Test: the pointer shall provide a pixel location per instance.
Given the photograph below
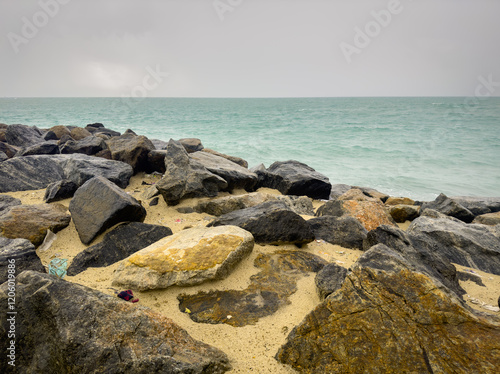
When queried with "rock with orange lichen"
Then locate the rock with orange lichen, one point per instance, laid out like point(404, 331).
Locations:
point(387, 318)
point(371, 214)
point(187, 258)
point(62, 327)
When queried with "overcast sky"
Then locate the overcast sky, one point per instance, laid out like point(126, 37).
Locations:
point(249, 48)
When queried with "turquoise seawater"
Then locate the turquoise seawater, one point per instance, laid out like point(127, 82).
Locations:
point(415, 147)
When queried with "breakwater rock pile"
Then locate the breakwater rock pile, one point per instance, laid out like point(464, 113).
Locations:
point(175, 218)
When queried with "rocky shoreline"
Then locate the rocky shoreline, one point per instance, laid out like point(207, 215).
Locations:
point(228, 252)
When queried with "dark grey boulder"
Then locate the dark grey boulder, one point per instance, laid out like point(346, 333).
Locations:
point(186, 177)
point(100, 204)
point(419, 250)
point(159, 144)
point(345, 231)
point(445, 205)
point(50, 135)
point(191, 145)
point(21, 254)
point(338, 190)
point(102, 130)
point(271, 222)
point(90, 145)
point(3, 157)
point(6, 202)
point(478, 205)
point(235, 175)
point(472, 245)
point(295, 178)
point(23, 136)
point(236, 160)
point(131, 149)
point(45, 148)
point(118, 244)
point(329, 279)
point(60, 190)
point(62, 327)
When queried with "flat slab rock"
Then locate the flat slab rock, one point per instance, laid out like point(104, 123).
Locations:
point(186, 258)
point(63, 327)
point(268, 291)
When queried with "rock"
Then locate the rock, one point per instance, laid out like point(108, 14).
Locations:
point(235, 175)
point(3, 157)
point(9, 150)
point(131, 149)
point(186, 258)
point(338, 190)
point(295, 178)
point(50, 135)
point(464, 244)
point(63, 327)
point(399, 201)
point(329, 279)
point(99, 204)
point(301, 205)
point(59, 131)
point(373, 193)
point(45, 148)
point(159, 144)
point(155, 201)
point(191, 145)
point(7, 202)
point(79, 133)
point(64, 139)
point(32, 221)
point(60, 190)
point(37, 172)
point(403, 213)
point(156, 161)
point(95, 126)
point(447, 206)
point(466, 276)
point(20, 254)
point(129, 132)
point(150, 192)
point(236, 160)
point(90, 145)
point(345, 231)
point(103, 131)
point(418, 250)
point(81, 168)
point(488, 219)
point(23, 136)
point(227, 204)
point(118, 244)
point(358, 195)
point(370, 214)
point(478, 205)
point(431, 213)
point(186, 177)
point(387, 318)
point(270, 223)
point(269, 290)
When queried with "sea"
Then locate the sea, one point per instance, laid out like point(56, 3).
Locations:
point(402, 146)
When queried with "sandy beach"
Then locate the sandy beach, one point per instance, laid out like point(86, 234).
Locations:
point(250, 348)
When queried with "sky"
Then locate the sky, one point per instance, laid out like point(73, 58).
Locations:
point(249, 48)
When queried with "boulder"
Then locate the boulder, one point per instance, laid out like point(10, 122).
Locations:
point(9, 150)
point(59, 131)
point(103, 131)
point(100, 204)
point(62, 327)
point(7, 202)
point(156, 161)
point(236, 160)
point(371, 192)
point(470, 245)
point(45, 148)
point(23, 136)
point(186, 177)
point(33, 221)
point(20, 254)
point(94, 126)
point(371, 214)
point(358, 195)
point(345, 231)
point(189, 257)
point(3, 157)
point(387, 318)
point(488, 219)
point(60, 190)
point(268, 291)
point(418, 250)
point(478, 205)
point(301, 205)
point(49, 135)
point(227, 204)
point(118, 244)
point(235, 175)
point(271, 222)
point(131, 149)
point(403, 213)
point(445, 205)
point(295, 178)
point(90, 145)
point(329, 279)
point(79, 133)
point(191, 145)
point(399, 201)
point(159, 144)
point(338, 190)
